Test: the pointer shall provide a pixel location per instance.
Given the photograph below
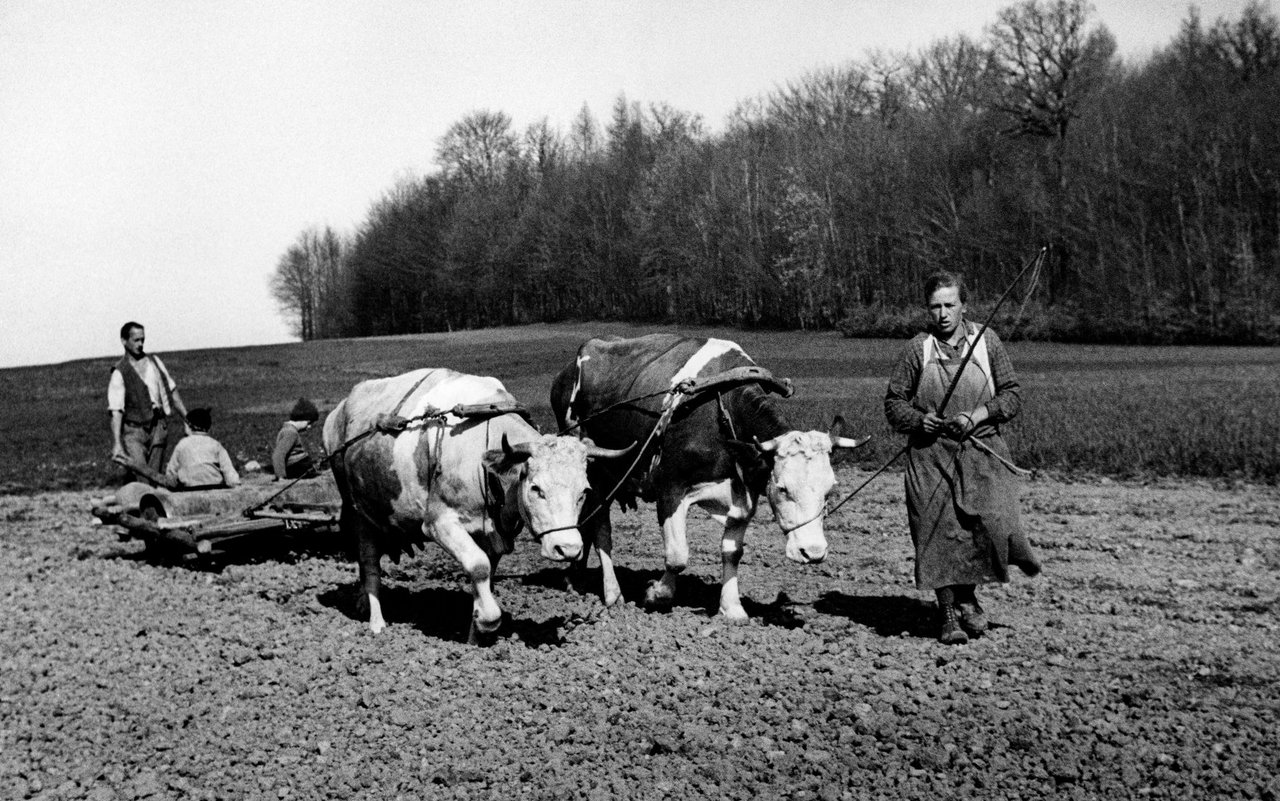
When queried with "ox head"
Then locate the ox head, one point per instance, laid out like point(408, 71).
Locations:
point(542, 483)
point(800, 479)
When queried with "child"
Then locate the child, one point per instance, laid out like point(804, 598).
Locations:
point(290, 458)
point(198, 462)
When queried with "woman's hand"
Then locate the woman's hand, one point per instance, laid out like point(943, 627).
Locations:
point(958, 427)
point(963, 424)
point(933, 425)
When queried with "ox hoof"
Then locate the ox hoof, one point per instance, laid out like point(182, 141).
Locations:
point(484, 633)
point(735, 615)
point(376, 626)
point(482, 639)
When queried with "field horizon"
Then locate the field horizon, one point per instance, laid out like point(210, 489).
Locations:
point(1115, 410)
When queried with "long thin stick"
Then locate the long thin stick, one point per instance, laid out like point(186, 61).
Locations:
point(987, 324)
point(1039, 257)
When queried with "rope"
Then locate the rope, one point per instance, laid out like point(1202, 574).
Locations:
point(985, 448)
point(1031, 288)
point(968, 354)
point(603, 505)
point(612, 406)
point(398, 425)
point(1036, 262)
point(660, 426)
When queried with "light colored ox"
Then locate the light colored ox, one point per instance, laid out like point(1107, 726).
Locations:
point(467, 483)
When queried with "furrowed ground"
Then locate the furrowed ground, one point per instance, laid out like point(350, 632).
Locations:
point(1142, 663)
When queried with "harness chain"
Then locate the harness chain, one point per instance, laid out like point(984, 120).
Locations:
point(687, 387)
point(393, 425)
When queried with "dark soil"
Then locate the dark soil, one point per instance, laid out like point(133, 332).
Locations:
point(1143, 663)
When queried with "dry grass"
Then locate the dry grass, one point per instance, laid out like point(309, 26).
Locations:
point(1122, 411)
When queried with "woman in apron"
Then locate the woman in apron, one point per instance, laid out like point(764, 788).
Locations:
point(962, 501)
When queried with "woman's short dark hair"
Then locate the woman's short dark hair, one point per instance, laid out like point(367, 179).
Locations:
point(942, 279)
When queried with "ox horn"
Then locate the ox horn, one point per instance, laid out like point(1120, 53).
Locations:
point(594, 451)
point(768, 446)
point(524, 449)
point(838, 441)
point(848, 442)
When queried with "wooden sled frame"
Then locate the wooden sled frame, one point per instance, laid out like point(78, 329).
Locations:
point(203, 522)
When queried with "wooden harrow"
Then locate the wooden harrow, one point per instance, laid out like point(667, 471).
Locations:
point(201, 522)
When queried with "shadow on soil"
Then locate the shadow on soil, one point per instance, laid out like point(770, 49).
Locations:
point(888, 616)
point(441, 613)
point(692, 592)
point(284, 549)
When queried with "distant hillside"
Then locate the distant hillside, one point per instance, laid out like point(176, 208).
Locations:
point(1113, 410)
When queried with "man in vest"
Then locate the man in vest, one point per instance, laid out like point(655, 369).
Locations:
point(140, 396)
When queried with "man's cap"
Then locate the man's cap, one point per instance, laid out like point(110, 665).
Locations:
point(304, 410)
point(200, 417)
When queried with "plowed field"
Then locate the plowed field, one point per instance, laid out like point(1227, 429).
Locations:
point(1142, 663)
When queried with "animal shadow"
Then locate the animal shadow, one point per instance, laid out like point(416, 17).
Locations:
point(887, 616)
point(692, 592)
point(440, 613)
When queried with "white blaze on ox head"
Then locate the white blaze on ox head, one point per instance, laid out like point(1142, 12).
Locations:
point(552, 494)
point(799, 483)
point(547, 485)
point(551, 488)
point(798, 487)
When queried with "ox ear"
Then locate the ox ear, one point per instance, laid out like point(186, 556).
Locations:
point(743, 452)
point(838, 425)
point(509, 454)
point(501, 472)
point(756, 464)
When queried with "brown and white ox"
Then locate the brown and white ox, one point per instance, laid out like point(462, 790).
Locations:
point(468, 483)
point(721, 451)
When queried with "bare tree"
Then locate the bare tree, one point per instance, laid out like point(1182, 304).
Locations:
point(478, 148)
point(1050, 62)
point(307, 279)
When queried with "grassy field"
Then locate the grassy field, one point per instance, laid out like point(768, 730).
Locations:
point(1118, 411)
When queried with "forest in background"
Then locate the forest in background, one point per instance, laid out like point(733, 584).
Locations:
point(825, 203)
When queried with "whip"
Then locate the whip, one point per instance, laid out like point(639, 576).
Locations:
point(1035, 262)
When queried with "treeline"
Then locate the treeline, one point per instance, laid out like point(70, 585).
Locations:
point(825, 203)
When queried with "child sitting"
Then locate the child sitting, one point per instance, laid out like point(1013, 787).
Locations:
point(290, 457)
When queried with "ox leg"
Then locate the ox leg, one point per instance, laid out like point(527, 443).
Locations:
point(599, 532)
point(370, 559)
point(610, 591)
point(486, 615)
point(733, 509)
point(731, 548)
point(676, 547)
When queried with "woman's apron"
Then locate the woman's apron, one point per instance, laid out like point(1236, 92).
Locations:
point(962, 504)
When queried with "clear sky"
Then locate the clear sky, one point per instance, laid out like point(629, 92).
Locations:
point(157, 157)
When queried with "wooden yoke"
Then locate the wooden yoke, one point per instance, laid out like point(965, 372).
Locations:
point(735, 377)
point(393, 423)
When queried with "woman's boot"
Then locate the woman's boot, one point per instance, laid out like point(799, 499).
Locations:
point(972, 618)
point(952, 633)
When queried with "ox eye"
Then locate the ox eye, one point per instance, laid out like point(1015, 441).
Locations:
point(784, 492)
point(536, 490)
